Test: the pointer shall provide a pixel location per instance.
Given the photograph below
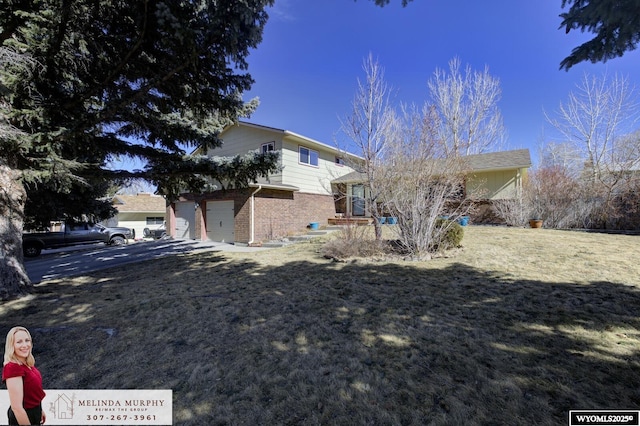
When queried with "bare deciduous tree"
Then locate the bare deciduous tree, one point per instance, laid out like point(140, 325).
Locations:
point(467, 106)
point(552, 195)
point(595, 125)
point(369, 126)
point(564, 155)
point(422, 185)
point(591, 121)
point(413, 165)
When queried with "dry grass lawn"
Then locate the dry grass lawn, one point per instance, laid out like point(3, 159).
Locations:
point(518, 327)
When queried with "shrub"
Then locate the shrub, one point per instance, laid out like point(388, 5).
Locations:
point(359, 241)
point(514, 212)
point(344, 249)
point(353, 241)
point(447, 234)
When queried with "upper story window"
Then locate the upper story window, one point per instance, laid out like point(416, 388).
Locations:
point(266, 147)
point(340, 161)
point(308, 156)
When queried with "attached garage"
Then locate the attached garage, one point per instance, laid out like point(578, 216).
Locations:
point(185, 220)
point(220, 219)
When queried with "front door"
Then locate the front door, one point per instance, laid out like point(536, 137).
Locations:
point(357, 200)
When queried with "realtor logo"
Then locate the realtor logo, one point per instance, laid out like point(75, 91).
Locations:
point(62, 407)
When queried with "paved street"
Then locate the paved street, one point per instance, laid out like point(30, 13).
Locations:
point(82, 259)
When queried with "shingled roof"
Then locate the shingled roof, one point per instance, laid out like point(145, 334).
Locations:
point(503, 160)
point(140, 203)
point(493, 161)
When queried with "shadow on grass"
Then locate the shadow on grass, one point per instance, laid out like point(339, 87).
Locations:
point(328, 343)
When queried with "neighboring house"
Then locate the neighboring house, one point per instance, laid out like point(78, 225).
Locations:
point(282, 205)
point(500, 174)
point(139, 211)
point(496, 175)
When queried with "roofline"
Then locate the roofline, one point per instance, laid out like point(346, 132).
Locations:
point(274, 186)
point(324, 145)
point(258, 126)
point(509, 167)
point(471, 171)
point(285, 133)
point(498, 169)
point(298, 136)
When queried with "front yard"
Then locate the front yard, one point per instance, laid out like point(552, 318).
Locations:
point(518, 327)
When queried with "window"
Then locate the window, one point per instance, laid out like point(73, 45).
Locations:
point(155, 220)
point(308, 156)
point(266, 147)
point(340, 161)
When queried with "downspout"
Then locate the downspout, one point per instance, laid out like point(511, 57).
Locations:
point(251, 220)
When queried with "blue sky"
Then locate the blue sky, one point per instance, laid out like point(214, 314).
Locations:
point(306, 67)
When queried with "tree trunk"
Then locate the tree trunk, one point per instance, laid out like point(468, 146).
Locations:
point(377, 227)
point(14, 281)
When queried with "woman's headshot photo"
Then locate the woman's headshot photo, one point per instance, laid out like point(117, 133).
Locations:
point(23, 380)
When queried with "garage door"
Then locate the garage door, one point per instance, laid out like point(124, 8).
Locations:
point(220, 221)
point(185, 220)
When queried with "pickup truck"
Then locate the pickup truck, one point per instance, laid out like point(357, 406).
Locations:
point(73, 234)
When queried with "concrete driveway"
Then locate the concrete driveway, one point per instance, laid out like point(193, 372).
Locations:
point(78, 260)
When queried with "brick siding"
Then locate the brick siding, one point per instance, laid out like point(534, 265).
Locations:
point(277, 214)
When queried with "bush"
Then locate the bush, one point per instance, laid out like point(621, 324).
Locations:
point(514, 212)
point(359, 241)
point(353, 241)
point(447, 234)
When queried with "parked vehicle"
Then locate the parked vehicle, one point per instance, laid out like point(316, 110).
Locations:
point(156, 234)
point(74, 234)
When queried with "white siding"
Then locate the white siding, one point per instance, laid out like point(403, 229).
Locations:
point(239, 140)
point(311, 179)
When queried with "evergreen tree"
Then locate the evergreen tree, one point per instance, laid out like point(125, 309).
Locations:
point(146, 79)
point(616, 24)
point(86, 200)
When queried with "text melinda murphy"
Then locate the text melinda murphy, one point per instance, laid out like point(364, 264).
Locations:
point(103, 406)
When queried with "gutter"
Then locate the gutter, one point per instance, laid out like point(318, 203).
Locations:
point(252, 226)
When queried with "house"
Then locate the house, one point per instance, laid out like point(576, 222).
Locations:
point(496, 175)
point(501, 174)
point(139, 211)
point(316, 185)
point(285, 204)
